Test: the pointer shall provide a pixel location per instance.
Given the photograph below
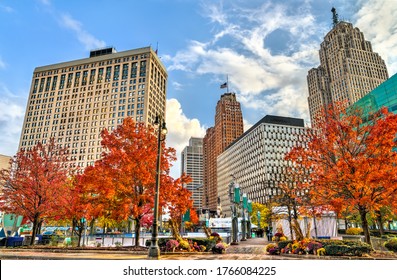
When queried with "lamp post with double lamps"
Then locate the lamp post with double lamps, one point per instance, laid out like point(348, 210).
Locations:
point(154, 250)
point(243, 204)
point(234, 196)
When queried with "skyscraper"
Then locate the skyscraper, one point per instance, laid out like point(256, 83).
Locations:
point(349, 69)
point(74, 101)
point(228, 127)
point(256, 159)
point(192, 165)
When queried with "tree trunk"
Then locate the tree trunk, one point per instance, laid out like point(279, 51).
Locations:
point(379, 221)
point(207, 231)
point(92, 222)
point(363, 214)
point(34, 228)
point(315, 223)
point(297, 229)
point(39, 224)
point(80, 233)
point(290, 222)
point(137, 231)
point(175, 230)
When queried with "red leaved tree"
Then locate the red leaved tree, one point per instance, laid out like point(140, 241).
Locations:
point(352, 161)
point(74, 206)
point(34, 184)
point(177, 200)
point(122, 183)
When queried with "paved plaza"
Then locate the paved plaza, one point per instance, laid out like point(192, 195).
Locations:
point(252, 249)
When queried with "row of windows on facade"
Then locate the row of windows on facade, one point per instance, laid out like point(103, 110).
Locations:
point(114, 86)
point(94, 64)
point(67, 139)
point(102, 107)
point(55, 122)
point(134, 65)
point(83, 88)
point(41, 85)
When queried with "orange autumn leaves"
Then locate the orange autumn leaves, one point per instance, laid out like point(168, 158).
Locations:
point(122, 183)
point(119, 186)
point(351, 161)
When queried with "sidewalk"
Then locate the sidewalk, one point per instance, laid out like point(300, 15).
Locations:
point(251, 249)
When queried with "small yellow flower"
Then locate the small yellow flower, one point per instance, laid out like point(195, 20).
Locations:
point(321, 252)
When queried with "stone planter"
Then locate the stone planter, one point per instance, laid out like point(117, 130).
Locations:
point(353, 237)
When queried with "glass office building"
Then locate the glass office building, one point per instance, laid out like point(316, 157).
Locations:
point(385, 95)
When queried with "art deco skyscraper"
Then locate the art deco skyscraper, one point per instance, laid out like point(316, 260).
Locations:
point(349, 69)
point(192, 165)
point(228, 127)
point(74, 101)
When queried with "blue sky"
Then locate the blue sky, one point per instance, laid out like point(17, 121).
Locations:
point(265, 48)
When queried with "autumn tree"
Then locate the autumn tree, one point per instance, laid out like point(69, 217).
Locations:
point(74, 206)
point(177, 202)
point(264, 215)
point(34, 184)
point(352, 161)
point(122, 183)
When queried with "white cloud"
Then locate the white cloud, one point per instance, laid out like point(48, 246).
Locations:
point(377, 19)
point(87, 39)
point(6, 9)
point(270, 82)
point(177, 86)
point(2, 63)
point(180, 129)
point(11, 119)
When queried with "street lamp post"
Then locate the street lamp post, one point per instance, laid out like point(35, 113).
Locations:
point(154, 250)
point(234, 196)
point(249, 210)
point(243, 221)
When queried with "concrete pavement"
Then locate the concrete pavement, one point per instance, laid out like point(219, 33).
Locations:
point(252, 249)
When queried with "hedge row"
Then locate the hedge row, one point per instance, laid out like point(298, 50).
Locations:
point(391, 244)
point(208, 243)
point(339, 247)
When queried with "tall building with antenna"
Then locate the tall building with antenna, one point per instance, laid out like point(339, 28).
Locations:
point(228, 127)
point(349, 68)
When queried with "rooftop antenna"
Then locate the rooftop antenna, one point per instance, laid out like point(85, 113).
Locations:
point(335, 19)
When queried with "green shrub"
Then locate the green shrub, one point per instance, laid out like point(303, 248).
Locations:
point(354, 231)
point(208, 243)
point(74, 241)
point(350, 248)
point(336, 250)
point(161, 242)
point(54, 240)
point(283, 244)
point(391, 244)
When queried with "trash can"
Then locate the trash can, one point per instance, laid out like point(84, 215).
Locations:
point(14, 241)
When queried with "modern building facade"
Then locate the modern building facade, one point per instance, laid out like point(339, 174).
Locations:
point(74, 101)
point(385, 95)
point(228, 127)
point(349, 69)
point(256, 159)
point(192, 165)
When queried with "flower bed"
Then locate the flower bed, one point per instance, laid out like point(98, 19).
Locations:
point(391, 244)
point(319, 247)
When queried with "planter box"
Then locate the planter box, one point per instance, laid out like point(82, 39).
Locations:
point(353, 237)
